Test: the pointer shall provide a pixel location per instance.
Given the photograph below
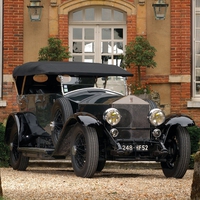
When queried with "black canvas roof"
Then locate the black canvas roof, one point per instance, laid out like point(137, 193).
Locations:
point(70, 68)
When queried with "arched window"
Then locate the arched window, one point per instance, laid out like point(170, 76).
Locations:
point(97, 34)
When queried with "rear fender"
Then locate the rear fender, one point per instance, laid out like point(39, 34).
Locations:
point(27, 126)
point(13, 118)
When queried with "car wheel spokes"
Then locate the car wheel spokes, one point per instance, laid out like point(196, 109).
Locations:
point(80, 155)
point(58, 123)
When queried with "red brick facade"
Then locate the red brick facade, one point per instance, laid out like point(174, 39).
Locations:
point(12, 50)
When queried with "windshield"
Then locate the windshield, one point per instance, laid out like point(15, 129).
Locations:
point(115, 83)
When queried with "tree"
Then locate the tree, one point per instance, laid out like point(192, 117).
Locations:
point(140, 53)
point(54, 51)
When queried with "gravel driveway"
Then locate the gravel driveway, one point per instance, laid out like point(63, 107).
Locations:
point(111, 184)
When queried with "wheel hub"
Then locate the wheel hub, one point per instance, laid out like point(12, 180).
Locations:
point(74, 150)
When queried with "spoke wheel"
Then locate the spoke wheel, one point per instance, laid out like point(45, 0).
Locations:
point(61, 111)
point(17, 160)
point(84, 151)
point(179, 148)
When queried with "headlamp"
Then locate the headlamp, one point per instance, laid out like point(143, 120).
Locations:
point(112, 116)
point(156, 117)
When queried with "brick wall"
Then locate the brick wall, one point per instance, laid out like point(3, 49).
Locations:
point(12, 51)
point(181, 56)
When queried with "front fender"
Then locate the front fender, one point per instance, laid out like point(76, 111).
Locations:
point(182, 120)
point(63, 145)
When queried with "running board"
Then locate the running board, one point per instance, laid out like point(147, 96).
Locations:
point(32, 152)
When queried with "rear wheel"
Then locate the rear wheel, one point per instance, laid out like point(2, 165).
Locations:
point(17, 160)
point(84, 151)
point(179, 148)
point(61, 111)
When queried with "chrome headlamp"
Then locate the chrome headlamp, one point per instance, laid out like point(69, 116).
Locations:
point(112, 116)
point(156, 117)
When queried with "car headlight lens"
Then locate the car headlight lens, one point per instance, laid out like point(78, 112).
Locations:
point(112, 116)
point(156, 117)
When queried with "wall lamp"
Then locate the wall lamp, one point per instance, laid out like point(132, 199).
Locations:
point(35, 10)
point(160, 9)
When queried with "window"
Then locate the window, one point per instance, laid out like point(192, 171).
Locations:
point(196, 48)
point(97, 34)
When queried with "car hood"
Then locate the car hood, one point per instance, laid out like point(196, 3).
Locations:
point(93, 96)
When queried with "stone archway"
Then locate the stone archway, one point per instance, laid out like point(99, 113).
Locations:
point(123, 5)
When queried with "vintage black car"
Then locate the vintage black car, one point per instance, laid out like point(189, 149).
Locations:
point(63, 114)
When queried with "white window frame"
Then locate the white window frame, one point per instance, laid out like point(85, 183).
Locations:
point(97, 24)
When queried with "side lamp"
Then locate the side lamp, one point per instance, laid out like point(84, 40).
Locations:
point(35, 10)
point(160, 9)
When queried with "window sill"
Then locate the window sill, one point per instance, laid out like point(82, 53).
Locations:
point(3, 103)
point(195, 103)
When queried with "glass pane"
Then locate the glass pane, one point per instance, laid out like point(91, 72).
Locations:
point(89, 14)
point(106, 14)
point(118, 47)
point(77, 47)
point(89, 34)
point(106, 60)
point(197, 88)
point(117, 60)
point(197, 3)
point(78, 16)
point(106, 47)
point(118, 16)
point(198, 21)
point(89, 47)
point(118, 33)
point(197, 34)
point(197, 61)
point(197, 47)
point(106, 33)
point(77, 58)
point(77, 33)
point(198, 75)
point(89, 59)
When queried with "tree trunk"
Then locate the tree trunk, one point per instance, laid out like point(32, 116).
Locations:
point(195, 193)
point(1, 190)
point(139, 75)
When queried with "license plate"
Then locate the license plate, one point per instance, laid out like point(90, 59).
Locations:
point(139, 147)
point(127, 147)
point(142, 147)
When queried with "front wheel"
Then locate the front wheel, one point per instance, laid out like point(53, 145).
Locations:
point(179, 148)
point(17, 160)
point(84, 151)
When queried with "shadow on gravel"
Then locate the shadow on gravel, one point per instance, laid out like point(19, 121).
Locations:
point(104, 174)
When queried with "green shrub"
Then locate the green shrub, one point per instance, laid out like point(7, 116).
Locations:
point(194, 132)
point(54, 51)
point(4, 150)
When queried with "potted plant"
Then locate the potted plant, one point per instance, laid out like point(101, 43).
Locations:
point(139, 53)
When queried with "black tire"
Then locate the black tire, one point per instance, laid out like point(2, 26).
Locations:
point(17, 160)
point(152, 104)
point(179, 147)
point(101, 165)
point(61, 111)
point(84, 151)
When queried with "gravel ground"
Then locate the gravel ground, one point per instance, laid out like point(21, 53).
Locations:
point(111, 184)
